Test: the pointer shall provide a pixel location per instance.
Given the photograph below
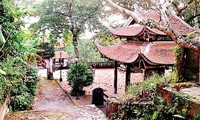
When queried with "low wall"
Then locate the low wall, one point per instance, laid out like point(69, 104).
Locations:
point(194, 108)
point(168, 96)
point(101, 64)
point(4, 109)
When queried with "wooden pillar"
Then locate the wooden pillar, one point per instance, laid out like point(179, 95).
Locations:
point(115, 77)
point(128, 76)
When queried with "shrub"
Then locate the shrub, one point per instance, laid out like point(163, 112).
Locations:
point(79, 76)
point(19, 83)
point(148, 85)
point(154, 108)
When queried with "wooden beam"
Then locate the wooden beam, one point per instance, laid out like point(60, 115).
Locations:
point(128, 76)
point(115, 77)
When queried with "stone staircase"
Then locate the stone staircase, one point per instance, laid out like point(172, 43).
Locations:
point(83, 112)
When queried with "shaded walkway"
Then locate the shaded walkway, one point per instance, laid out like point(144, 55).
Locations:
point(51, 103)
point(50, 96)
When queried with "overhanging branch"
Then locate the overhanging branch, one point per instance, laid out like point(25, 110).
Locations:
point(180, 40)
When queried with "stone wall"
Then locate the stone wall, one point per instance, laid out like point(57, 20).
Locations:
point(114, 106)
point(167, 94)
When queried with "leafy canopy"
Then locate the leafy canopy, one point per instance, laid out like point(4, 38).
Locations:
point(58, 16)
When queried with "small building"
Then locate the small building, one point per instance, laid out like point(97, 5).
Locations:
point(60, 59)
point(145, 49)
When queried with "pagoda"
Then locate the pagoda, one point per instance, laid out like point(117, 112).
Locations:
point(144, 49)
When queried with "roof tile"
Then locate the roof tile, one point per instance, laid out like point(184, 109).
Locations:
point(133, 29)
point(128, 52)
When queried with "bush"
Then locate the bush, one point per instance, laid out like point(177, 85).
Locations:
point(19, 83)
point(79, 76)
point(21, 102)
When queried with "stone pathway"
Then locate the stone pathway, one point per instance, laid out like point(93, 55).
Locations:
point(51, 103)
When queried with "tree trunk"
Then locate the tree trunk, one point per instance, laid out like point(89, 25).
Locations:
point(75, 44)
point(50, 69)
point(180, 64)
point(191, 68)
point(180, 40)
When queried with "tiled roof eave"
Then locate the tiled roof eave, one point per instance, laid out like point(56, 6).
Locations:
point(153, 63)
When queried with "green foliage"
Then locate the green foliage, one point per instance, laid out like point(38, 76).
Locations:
point(2, 39)
point(19, 83)
point(79, 76)
point(191, 13)
point(174, 76)
point(142, 102)
point(197, 117)
point(15, 81)
point(180, 62)
point(88, 51)
point(178, 51)
point(176, 109)
point(193, 34)
point(48, 50)
point(105, 38)
point(21, 102)
point(66, 19)
point(149, 85)
point(2, 72)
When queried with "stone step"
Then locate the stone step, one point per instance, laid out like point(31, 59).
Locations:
point(83, 112)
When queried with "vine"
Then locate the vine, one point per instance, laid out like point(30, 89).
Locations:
point(180, 62)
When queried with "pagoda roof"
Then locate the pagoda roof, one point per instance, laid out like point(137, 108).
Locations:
point(160, 52)
point(133, 29)
point(63, 55)
point(154, 53)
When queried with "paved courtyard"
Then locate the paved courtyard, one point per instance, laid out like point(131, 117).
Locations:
point(103, 78)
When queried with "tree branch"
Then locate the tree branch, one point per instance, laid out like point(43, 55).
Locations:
point(192, 17)
point(183, 8)
point(180, 40)
point(179, 10)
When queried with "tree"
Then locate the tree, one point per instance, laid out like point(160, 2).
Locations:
point(188, 10)
point(67, 16)
point(17, 79)
point(88, 51)
point(79, 76)
point(182, 41)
